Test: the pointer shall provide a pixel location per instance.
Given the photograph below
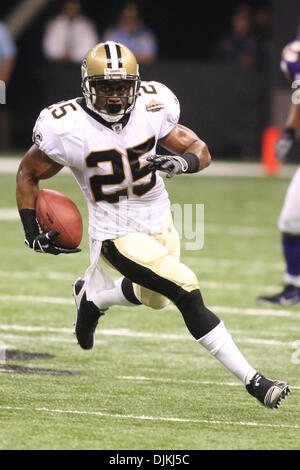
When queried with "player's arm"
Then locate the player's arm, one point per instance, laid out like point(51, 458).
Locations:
point(182, 140)
point(292, 124)
point(191, 153)
point(35, 166)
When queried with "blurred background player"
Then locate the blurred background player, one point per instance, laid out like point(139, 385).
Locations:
point(289, 220)
point(69, 35)
point(131, 31)
point(240, 46)
point(8, 53)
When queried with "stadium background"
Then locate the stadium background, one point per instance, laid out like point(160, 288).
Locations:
point(228, 107)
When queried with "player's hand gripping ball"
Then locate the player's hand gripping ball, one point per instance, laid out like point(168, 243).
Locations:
point(55, 211)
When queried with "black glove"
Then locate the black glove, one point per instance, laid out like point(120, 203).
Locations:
point(284, 145)
point(43, 244)
point(172, 165)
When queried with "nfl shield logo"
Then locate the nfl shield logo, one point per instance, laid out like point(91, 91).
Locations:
point(117, 127)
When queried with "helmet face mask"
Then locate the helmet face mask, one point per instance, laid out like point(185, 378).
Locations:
point(110, 80)
point(111, 98)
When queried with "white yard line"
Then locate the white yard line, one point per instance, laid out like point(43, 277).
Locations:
point(186, 381)
point(9, 214)
point(248, 311)
point(255, 311)
point(35, 329)
point(58, 276)
point(216, 309)
point(260, 266)
point(152, 418)
point(10, 166)
point(36, 299)
point(30, 339)
point(240, 230)
point(216, 169)
point(122, 332)
point(12, 214)
point(237, 286)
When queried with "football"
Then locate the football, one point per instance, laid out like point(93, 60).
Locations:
point(55, 211)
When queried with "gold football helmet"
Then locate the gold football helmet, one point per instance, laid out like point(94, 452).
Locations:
point(110, 80)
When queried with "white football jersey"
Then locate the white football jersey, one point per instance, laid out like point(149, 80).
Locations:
point(109, 163)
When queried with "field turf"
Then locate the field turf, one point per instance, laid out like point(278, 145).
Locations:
point(147, 384)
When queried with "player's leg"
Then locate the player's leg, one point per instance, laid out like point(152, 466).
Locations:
point(168, 237)
point(87, 316)
point(128, 293)
point(147, 263)
point(289, 225)
point(150, 266)
point(144, 261)
point(124, 292)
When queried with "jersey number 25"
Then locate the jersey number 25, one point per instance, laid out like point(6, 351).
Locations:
point(118, 174)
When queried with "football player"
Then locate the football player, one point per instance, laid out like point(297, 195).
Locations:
point(289, 220)
point(108, 140)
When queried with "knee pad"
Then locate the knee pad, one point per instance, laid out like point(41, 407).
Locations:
point(145, 251)
point(150, 298)
point(177, 272)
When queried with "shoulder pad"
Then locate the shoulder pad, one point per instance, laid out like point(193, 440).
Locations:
point(158, 96)
point(60, 115)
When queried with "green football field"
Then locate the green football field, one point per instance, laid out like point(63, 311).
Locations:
point(147, 384)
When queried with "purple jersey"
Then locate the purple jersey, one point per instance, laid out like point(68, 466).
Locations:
point(290, 60)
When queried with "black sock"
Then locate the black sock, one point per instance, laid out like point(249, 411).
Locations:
point(128, 292)
point(198, 318)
